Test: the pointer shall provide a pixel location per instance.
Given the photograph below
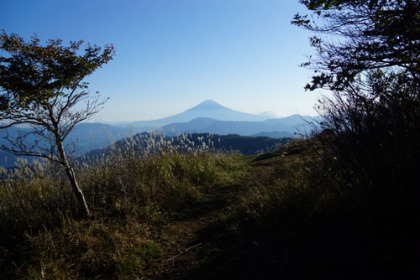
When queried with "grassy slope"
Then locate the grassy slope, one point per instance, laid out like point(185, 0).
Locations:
point(201, 216)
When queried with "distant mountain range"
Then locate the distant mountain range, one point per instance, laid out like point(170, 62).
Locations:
point(286, 127)
point(209, 116)
point(206, 117)
point(206, 109)
point(87, 136)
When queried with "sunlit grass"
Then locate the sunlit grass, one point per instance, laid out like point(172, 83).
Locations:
point(131, 190)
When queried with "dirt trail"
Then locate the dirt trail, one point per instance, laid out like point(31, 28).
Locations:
point(189, 229)
point(186, 229)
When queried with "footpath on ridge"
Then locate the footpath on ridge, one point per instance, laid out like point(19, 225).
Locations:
point(194, 231)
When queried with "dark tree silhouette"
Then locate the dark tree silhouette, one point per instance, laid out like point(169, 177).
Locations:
point(361, 35)
point(368, 54)
point(42, 88)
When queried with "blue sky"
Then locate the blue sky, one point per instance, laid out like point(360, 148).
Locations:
point(173, 54)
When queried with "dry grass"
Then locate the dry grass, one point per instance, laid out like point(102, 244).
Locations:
point(131, 192)
point(287, 215)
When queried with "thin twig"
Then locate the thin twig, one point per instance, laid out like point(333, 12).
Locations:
point(185, 251)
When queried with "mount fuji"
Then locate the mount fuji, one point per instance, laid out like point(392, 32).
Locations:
point(206, 109)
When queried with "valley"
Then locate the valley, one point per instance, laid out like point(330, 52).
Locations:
point(249, 133)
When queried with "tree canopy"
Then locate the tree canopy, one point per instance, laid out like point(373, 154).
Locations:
point(33, 75)
point(354, 36)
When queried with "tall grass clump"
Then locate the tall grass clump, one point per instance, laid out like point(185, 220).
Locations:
point(131, 187)
point(161, 174)
point(297, 189)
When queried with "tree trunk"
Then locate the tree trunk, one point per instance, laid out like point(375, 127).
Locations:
point(78, 191)
point(72, 178)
